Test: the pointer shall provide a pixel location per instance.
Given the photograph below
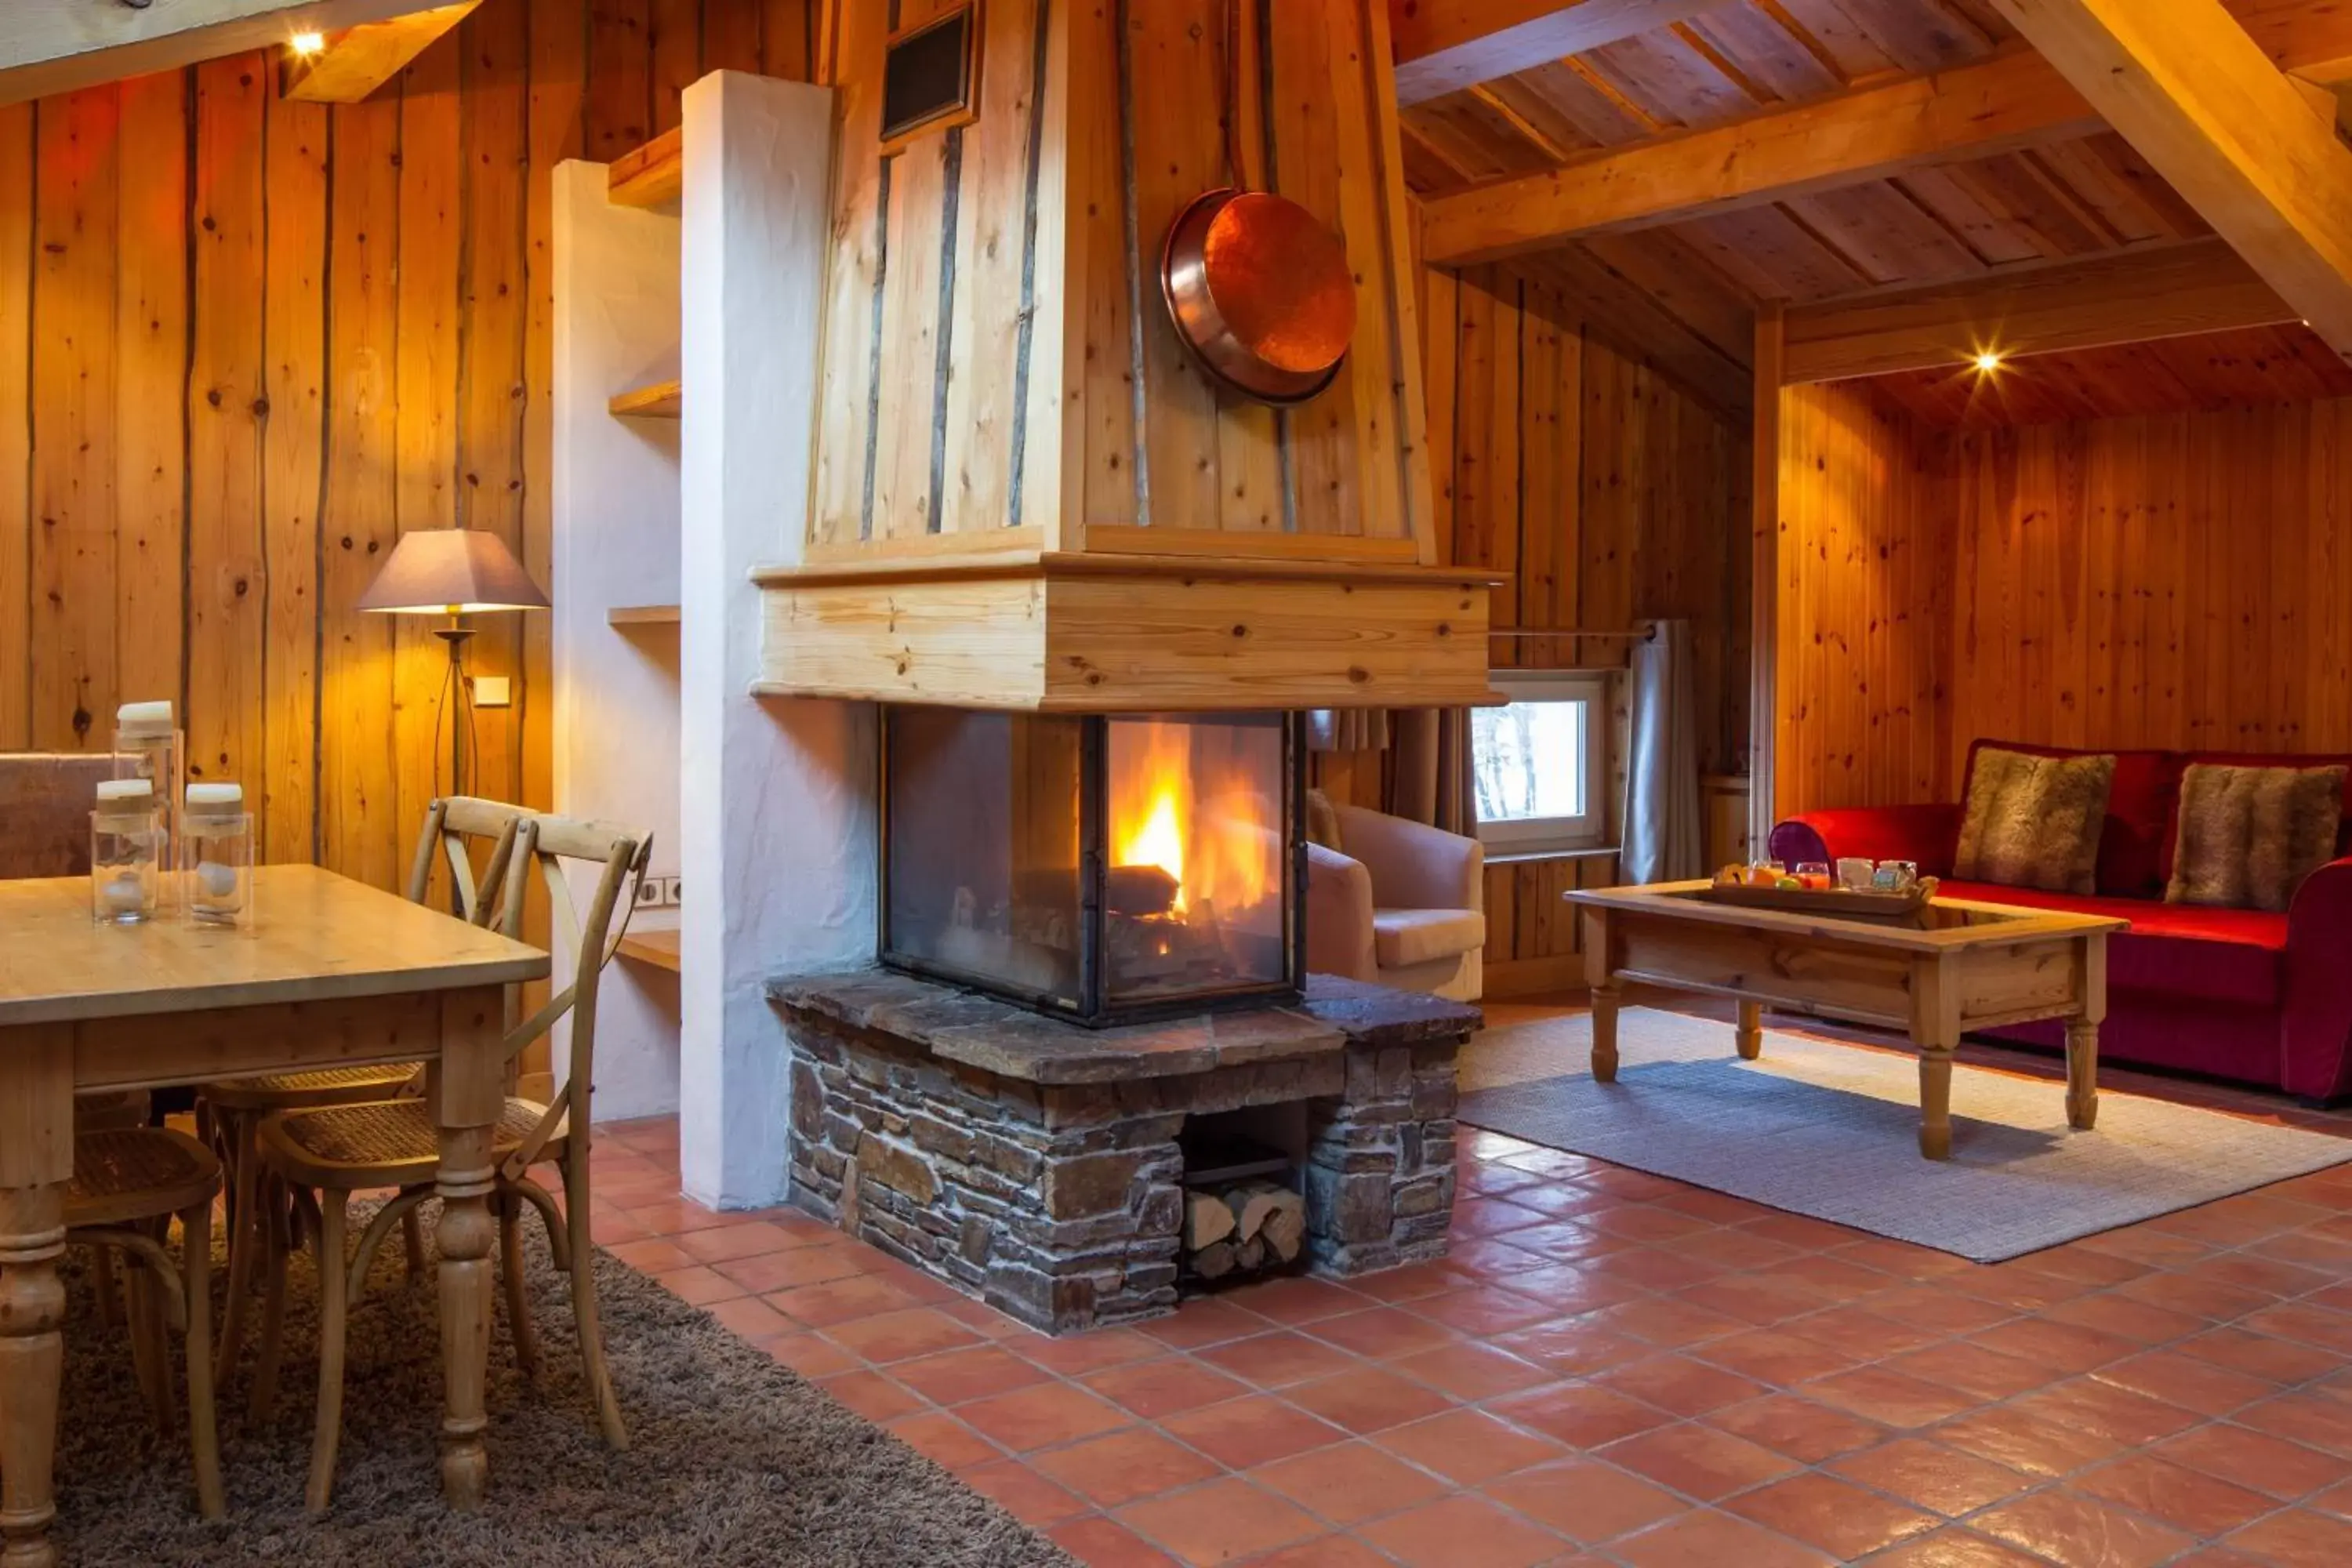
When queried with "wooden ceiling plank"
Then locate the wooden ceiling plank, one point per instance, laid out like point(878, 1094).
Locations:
point(1629, 320)
point(2172, 291)
point(50, 47)
point(2012, 100)
point(1771, 50)
point(354, 62)
point(2188, 86)
point(1444, 46)
point(1684, 283)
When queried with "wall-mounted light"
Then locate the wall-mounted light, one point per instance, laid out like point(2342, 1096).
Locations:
point(307, 43)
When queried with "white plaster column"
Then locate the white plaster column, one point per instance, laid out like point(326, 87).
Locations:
point(616, 512)
point(776, 798)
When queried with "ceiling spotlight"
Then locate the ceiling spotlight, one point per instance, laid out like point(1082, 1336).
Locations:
point(1988, 361)
point(308, 42)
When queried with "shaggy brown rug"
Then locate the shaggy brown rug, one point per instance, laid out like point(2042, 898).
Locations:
point(734, 1461)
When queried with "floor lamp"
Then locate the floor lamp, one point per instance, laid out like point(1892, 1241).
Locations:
point(456, 572)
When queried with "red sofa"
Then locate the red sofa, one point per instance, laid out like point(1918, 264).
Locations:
point(2244, 994)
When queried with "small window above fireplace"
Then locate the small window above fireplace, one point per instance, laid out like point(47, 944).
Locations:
point(1103, 869)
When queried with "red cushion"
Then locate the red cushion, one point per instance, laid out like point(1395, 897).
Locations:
point(2256, 759)
point(2179, 950)
point(2135, 844)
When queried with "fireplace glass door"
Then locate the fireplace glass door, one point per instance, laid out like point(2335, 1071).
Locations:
point(1098, 868)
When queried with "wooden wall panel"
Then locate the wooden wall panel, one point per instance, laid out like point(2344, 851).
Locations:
point(1073, 406)
point(2174, 580)
point(272, 338)
point(1612, 497)
point(1865, 649)
point(2177, 581)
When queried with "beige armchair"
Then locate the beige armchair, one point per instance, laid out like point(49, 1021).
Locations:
point(1399, 903)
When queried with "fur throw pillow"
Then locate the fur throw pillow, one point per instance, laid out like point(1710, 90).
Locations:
point(2250, 835)
point(2034, 822)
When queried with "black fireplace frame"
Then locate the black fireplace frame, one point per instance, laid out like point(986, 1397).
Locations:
point(1094, 1008)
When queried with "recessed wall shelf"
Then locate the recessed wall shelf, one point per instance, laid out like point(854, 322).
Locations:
point(651, 175)
point(642, 615)
point(660, 400)
point(657, 948)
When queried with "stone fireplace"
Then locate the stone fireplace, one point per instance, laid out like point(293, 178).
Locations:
point(1045, 1167)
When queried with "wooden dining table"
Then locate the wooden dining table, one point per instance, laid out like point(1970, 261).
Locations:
point(332, 973)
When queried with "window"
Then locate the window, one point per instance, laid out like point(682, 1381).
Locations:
point(1539, 761)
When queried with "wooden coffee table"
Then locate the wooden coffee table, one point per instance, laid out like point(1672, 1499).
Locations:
point(1955, 966)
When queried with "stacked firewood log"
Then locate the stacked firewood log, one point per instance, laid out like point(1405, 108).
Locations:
point(1246, 1229)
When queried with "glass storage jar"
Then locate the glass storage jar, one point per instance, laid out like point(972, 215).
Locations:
point(148, 745)
point(126, 853)
point(216, 856)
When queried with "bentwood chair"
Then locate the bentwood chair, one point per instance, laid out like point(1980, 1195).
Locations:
point(128, 1183)
point(230, 1112)
point(338, 1151)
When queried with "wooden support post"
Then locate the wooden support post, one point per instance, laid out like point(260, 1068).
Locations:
point(1764, 574)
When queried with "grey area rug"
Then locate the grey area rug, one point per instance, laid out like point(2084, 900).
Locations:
point(1830, 1130)
point(734, 1461)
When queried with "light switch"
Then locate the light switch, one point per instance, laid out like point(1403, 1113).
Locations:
point(492, 691)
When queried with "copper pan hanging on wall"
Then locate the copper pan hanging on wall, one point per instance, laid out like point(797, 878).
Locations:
point(1259, 289)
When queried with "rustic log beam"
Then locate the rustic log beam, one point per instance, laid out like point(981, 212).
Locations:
point(2013, 100)
point(2202, 287)
point(56, 46)
point(2194, 94)
point(347, 66)
point(1443, 46)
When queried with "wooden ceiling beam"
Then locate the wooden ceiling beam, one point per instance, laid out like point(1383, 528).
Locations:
point(2012, 100)
point(2172, 291)
point(2194, 94)
point(349, 65)
point(57, 46)
point(1444, 46)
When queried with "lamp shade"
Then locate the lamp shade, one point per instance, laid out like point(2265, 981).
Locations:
point(451, 571)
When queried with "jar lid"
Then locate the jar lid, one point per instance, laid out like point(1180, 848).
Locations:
point(126, 792)
point(143, 719)
point(216, 799)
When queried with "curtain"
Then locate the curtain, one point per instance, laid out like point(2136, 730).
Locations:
point(1348, 730)
point(1662, 807)
point(1429, 778)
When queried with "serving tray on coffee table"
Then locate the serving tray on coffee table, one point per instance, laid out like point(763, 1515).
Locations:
point(1844, 904)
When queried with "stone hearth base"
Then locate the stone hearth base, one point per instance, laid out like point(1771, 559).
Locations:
point(1034, 1164)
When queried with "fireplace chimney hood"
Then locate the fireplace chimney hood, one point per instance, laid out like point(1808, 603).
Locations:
point(1027, 495)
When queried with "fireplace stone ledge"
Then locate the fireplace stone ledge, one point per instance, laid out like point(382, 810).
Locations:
point(1034, 1164)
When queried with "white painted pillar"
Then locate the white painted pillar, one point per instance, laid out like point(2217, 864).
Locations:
point(776, 801)
point(616, 520)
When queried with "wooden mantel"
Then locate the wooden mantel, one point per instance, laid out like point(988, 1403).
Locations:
point(1111, 632)
point(1026, 493)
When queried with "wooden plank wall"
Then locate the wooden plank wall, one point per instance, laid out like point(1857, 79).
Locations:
point(2180, 581)
point(1024, 251)
point(1866, 604)
point(246, 345)
point(1613, 496)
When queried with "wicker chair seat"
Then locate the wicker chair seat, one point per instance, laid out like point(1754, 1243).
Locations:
point(381, 1144)
point(322, 1086)
point(137, 1173)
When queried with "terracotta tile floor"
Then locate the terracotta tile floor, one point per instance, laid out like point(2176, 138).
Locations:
point(1614, 1368)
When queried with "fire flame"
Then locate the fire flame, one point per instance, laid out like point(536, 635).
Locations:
point(1194, 809)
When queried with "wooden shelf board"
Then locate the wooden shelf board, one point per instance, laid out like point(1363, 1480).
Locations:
point(651, 175)
point(657, 948)
point(642, 615)
point(660, 400)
